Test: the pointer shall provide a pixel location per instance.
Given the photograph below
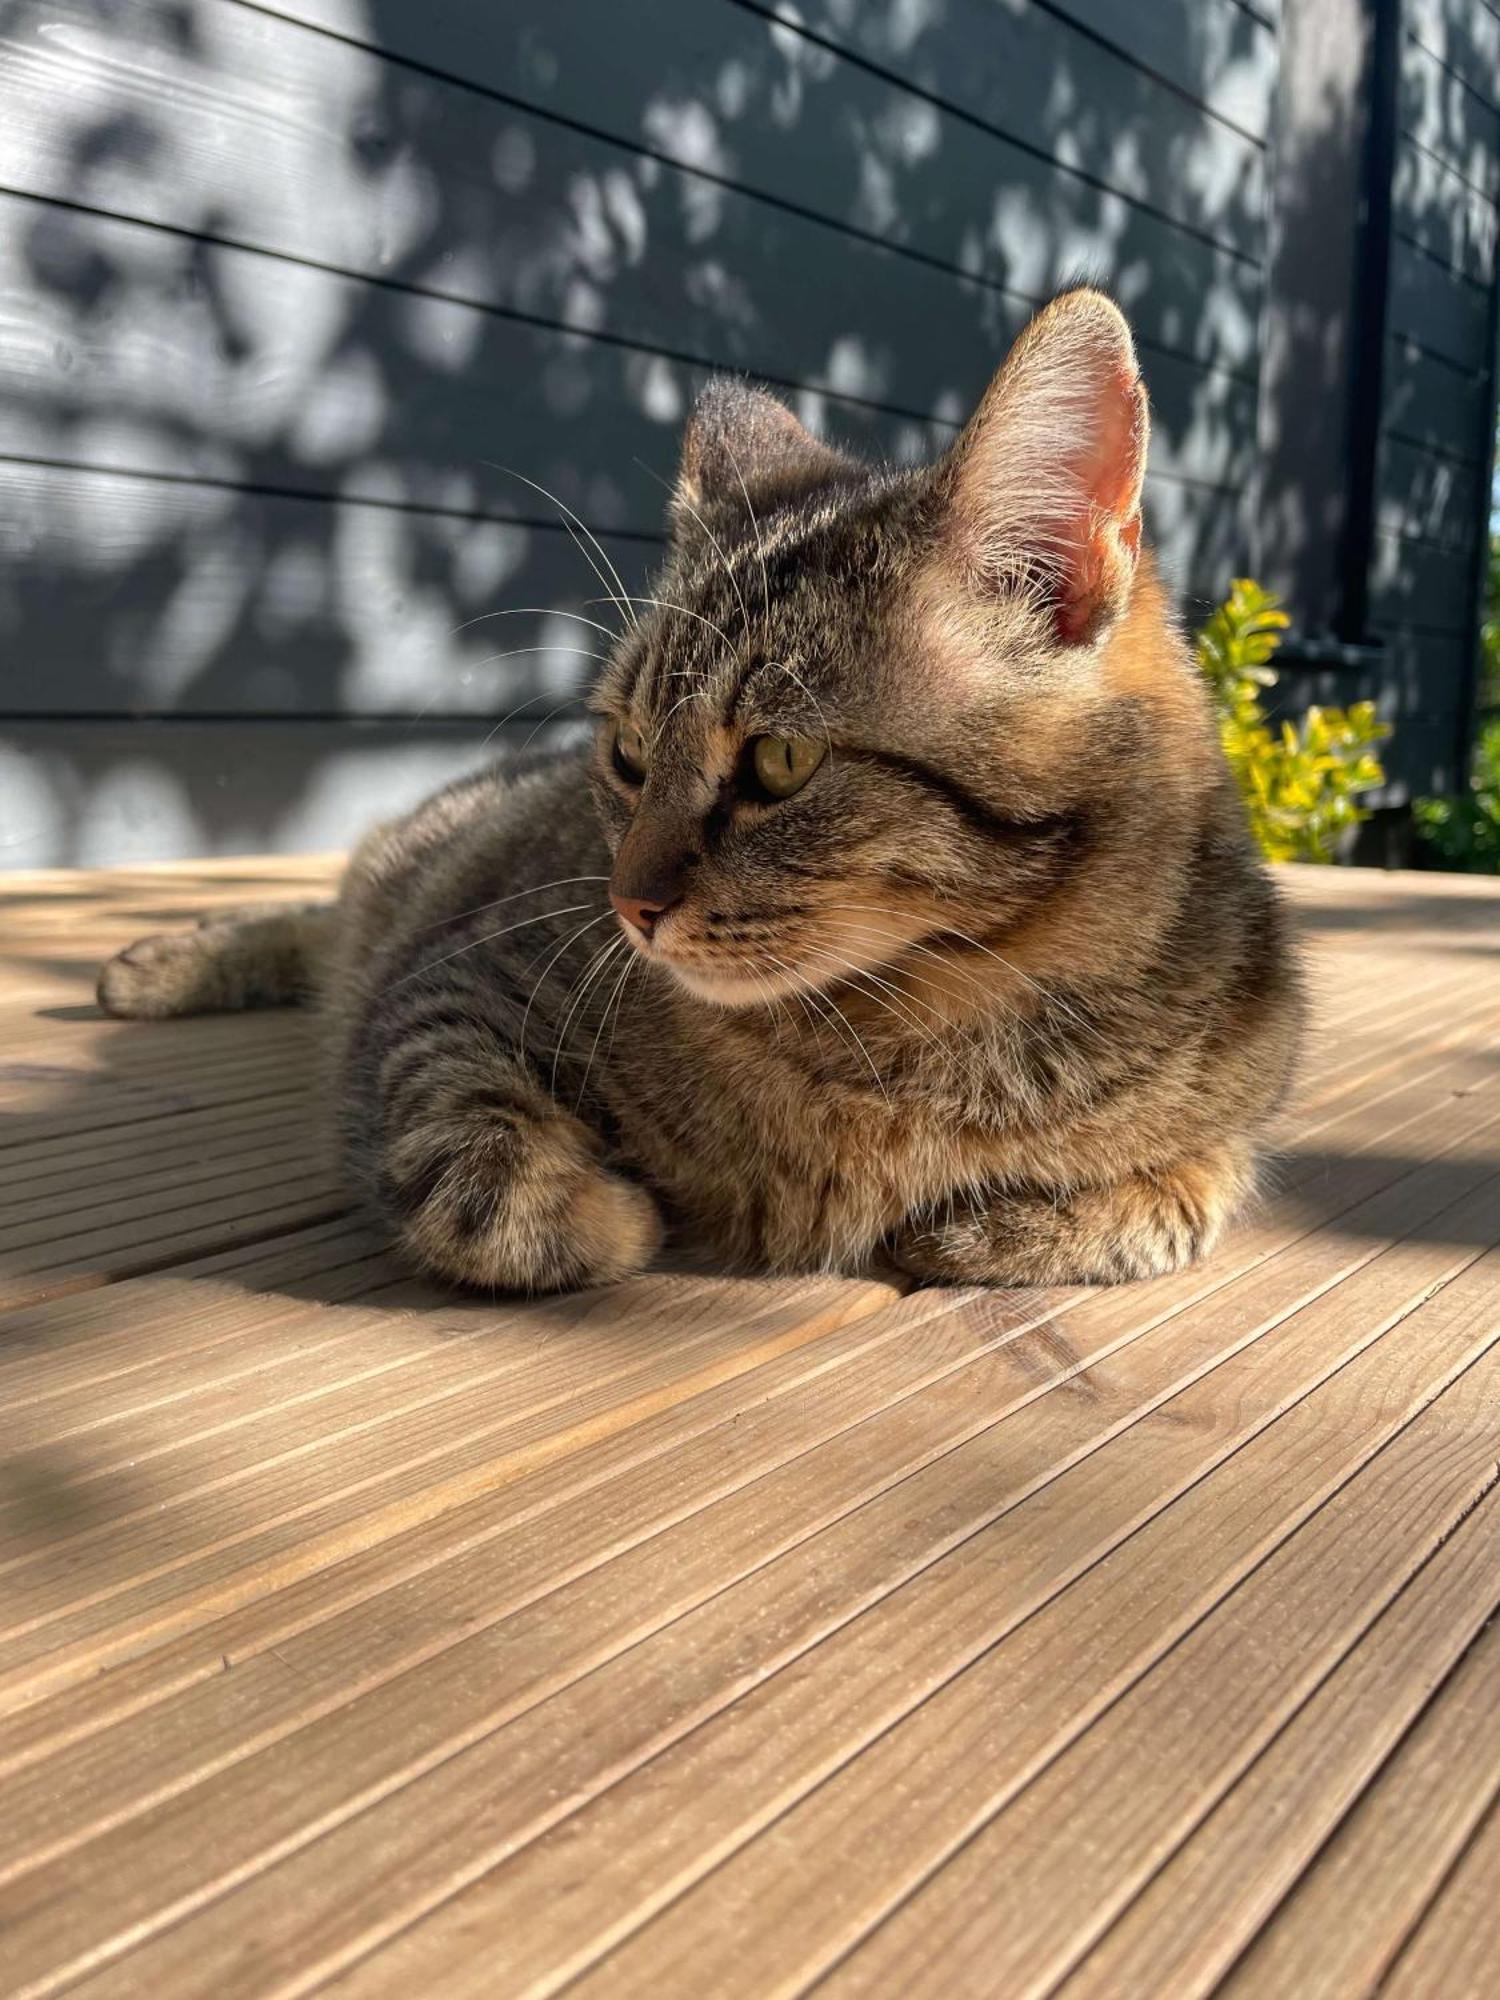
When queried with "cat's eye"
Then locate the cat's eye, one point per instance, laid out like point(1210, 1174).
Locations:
point(629, 753)
point(783, 764)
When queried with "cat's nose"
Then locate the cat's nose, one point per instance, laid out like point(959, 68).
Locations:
point(640, 911)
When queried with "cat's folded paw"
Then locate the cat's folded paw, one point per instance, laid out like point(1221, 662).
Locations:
point(152, 979)
point(522, 1206)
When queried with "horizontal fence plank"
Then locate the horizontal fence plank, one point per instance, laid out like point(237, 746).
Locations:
point(1214, 51)
point(1464, 37)
point(1428, 402)
point(1413, 582)
point(778, 106)
point(1424, 495)
point(141, 596)
point(1437, 307)
point(275, 135)
point(1436, 206)
point(278, 375)
point(326, 379)
point(1449, 119)
point(97, 793)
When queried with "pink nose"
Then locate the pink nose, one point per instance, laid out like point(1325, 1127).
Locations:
point(639, 912)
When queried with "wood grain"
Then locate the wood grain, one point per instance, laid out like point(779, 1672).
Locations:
point(711, 1635)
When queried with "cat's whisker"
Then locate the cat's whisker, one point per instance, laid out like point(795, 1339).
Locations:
point(566, 702)
point(1047, 994)
point(693, 694)
point(825, 1001)
point(571, 939)
point(822, 718)
point(577, 984)
point(760, 550)
point(490, 937)
point(535, 889)
point(894, 959)
point(894, 1005)
point(573, 520)
point(664, 604)
point(899, 1012)
point(537, 611)
point(592, 974)
point(632, 961)
point(520, 653)
point(510, 716)
point(718, 547)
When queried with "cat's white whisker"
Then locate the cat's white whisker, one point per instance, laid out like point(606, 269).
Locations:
point(432, 964)
point(536, 611)
point(632, 960)
point(593, 973)
point(824, 1001)
point(573, 520)
point(571, 939)
point(713, 538)
point(567, 702)
point(760, 552)
point(664, 604)
point(534, 889)
point(818, 706)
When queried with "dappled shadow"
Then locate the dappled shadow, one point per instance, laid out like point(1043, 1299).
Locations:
point(314, 294)
point(298, 306)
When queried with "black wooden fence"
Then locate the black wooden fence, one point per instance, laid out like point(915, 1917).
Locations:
point(296, 298)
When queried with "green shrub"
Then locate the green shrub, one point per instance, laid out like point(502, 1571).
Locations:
point(1465, 830)
point(1301, 783)
point(1489, 631)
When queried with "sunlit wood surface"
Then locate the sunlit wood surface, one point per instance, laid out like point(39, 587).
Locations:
point(712, 1638)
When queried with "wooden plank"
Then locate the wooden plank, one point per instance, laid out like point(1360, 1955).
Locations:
point(106, 1589)
point(652, 1573)
point(1398, 1842)
point(1450, 120)
point(334, 1586)
point(1427, 402)
point(1437, 206)
point(1458, 1945)
point(1198, 1720)
point(1218, 53)
point(857, 1681)
point(565, 237)
point(381, 642)
point(1427, 496)
point(1437, 307)
point(417, 1630)
point(783, 118)
point(1416, 583)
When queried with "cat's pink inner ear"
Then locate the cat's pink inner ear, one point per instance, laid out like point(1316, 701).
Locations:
point(1047, 475)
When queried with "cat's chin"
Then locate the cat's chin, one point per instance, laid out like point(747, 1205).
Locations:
point(732, 989)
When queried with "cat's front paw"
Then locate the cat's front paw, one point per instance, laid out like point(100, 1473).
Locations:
point(518, 1207)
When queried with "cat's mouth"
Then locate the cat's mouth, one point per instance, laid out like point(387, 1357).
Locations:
point(824, 952)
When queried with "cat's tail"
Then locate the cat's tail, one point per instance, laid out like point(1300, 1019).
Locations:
point(256, 958)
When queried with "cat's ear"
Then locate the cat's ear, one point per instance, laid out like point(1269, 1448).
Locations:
point(741, 444)
point(1043, 487)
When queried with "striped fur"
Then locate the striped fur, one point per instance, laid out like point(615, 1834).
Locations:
point(1002, 991)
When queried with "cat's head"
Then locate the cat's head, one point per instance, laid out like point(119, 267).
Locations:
point(871, 707)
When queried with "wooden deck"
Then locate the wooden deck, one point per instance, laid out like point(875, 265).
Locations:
point(714, 1639)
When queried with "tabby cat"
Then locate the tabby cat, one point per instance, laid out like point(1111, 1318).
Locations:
point(901, 903)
